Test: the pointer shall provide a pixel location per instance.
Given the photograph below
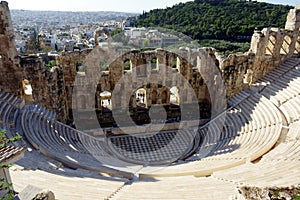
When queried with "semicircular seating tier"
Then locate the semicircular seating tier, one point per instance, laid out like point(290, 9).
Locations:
point(10, 106)
point(255, 142)
point(241, 134)
point(280, 166)
point(250, 130)
point(42, 172)
point(69, 146)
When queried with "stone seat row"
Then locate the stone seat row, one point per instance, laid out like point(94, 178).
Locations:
point(236, 122)
point(9, 110)
point(238, 98)
point(256, 112)
point(278, 167)
point(263, 174)
point(223, 148)
point(40, 110)
point(286, 87)
point(289, 148)
point(240, 145)
point(187, 187)
point(222, 155)
point(291, 109)
point(275, 74)
point(67, 186)
point(11, 99)
point(68, 146)
point(246, 117)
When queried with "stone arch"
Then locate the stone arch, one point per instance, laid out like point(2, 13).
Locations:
point(140, 60)
point(99, 31)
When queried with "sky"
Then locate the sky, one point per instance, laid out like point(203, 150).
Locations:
point(136, 6)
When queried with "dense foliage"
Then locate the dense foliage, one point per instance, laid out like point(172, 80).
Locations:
point(233, 20)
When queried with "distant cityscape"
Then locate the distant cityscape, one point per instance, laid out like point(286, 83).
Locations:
point(52, 31)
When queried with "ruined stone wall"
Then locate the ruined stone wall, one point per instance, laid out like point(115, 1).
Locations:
point(293, 19)
point(68, 63)
point(83, 88)
point(47, 85)
point(269, 48)
point(9, 68)
point(77, 81)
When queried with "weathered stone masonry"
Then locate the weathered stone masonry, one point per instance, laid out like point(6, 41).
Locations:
point(54, 89)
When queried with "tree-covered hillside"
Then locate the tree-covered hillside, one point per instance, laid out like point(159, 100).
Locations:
point(232, 20)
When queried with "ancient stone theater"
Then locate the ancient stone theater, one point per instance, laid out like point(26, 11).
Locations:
point(106, 123)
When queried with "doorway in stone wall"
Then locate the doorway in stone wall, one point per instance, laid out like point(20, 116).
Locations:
point(26, 92)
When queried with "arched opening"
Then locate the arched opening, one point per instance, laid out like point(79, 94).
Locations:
point(98, 32)
point(103, 65)
point(174, 63)
point(270, 46)
point(297, 47)
point(196, 61)
point(141, 98)
point(105, 101)
point(285, 48)
point(154, 97)
point(154, 64)
point(127, 65)
point(174, 96)
point(27, 91)
point(80, 68)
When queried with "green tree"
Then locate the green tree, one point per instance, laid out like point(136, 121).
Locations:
point(3, 185)
point(230, 20)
